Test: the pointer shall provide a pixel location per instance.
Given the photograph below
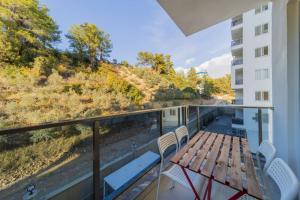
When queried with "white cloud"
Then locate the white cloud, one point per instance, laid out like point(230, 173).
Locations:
point(182, 70)
point(189, 61)
point(217, 66)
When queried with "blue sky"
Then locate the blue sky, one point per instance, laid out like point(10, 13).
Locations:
point(142, 25)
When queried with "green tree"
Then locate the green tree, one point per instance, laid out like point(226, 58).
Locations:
point(193, 78)
point(222, 85)
point(208, 86)
point(158, 62)
point(89, 43)
point(27, 31)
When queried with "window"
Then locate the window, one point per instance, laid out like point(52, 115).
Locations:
point(260, 29)
point(261, 96)
point(265, 95)
point(257, 52)
point(265, 28)
point(258, 10)
point(262, 8)
point(257, 30)
point(257, 96)
point(263, 51)
point(262, 74)
point(172, 112)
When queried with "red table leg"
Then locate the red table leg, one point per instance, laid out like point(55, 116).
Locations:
point(208, 189)
point(237, 195)
point(190, 183)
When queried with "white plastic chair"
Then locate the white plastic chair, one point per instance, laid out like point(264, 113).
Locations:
point(181, 133)
point(174, 172)
point(284, 178)
point(268, 151)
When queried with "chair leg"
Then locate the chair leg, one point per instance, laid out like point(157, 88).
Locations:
point(158, 183)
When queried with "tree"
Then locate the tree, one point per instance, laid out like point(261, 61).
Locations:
point(208, 86)
point(89, 43)
point(193, 78)
point(158, 62)
point(27, 31)
point(222, 85)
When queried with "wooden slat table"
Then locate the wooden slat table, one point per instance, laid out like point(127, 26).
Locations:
point(222, 158)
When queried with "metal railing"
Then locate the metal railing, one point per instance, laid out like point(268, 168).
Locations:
point(190, 114)
point(236, 42)
point(237, 62)
point(236, 22)
point(239, 81)
point(237, 101)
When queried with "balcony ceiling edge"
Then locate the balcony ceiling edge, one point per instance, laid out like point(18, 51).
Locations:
point(192, 16)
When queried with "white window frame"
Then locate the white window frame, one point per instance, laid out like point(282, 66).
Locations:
point(263, 95)
point(262, 74)
point(260, 51)
point(258, 94)
point(172, 112)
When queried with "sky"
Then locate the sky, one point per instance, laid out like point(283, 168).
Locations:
point(142, 25)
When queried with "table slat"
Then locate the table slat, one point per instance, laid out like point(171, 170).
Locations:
point(195, 165)
point(220, 171)
point(177, 157)
point(192, 151)
point(235, 180)
point(252, 182)
point(212, 157)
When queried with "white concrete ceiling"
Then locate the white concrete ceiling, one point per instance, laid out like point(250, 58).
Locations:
point(194, 15)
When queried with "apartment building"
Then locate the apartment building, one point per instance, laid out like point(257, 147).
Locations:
point(251, 68)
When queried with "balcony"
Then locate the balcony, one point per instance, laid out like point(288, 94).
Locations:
point(236, 42)
point(237, 61)
point(237, 101)
point(87, 150)
point(239, 81)
point(236, 22)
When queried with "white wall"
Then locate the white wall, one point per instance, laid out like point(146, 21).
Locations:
point(286, 81)
point(293, 84)
point(251, 42)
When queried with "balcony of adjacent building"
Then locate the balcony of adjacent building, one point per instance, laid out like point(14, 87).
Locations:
point(104, 146)
point(237, 61)
point(237, 39)
point(237, 101)
point(237, 78)
point(237, 22)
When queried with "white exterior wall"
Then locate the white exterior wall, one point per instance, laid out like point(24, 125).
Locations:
point(250, 43)
point(250, 64)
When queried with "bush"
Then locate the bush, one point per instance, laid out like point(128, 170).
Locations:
point(44, 65)
point(42, 135)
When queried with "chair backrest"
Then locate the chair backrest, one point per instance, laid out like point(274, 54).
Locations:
point(268, 151)
point(165, 141)
point(284, 178)
point(181, 133)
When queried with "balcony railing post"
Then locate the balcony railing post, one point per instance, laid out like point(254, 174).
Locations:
point(198, 119)
point(178, 116)
point(183, 115)
point(160, 123)
point(187, 109)
point(96, 161)
point(259, 120)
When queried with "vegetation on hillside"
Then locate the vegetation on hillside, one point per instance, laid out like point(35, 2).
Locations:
point(40, 83)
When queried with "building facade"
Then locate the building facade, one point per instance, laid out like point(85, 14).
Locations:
point(251, 70)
